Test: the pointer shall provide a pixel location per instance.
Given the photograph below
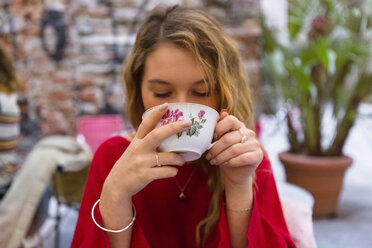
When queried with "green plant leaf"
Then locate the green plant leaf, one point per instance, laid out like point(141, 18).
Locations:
point(326, 60)
point(299, 73)
point(320, 51)
point(341, 99)
point(297, 13)
point(365, 85)
point(321, 48)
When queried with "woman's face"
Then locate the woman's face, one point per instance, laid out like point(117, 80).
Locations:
point(172, 74)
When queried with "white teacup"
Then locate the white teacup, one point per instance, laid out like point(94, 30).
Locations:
point(192, 143)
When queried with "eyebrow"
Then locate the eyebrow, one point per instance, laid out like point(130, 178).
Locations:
point(159, 81)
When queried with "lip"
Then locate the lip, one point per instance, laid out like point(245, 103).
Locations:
point(181, 103)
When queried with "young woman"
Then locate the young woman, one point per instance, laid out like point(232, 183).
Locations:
point(137, 196)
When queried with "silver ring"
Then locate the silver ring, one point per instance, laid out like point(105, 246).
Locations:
point(157, 159)
point(244, 137)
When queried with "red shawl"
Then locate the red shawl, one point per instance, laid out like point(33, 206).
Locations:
point(164, 220)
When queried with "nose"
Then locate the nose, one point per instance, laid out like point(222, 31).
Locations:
point(181, 97)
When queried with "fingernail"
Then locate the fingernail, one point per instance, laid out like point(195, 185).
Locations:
point(163, 107)
point(213, 161)
point(185, 123)
point(209, 156)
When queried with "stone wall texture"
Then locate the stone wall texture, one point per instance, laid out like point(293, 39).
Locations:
point(68, 54)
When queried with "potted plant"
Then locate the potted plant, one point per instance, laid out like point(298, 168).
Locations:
point(324, 66)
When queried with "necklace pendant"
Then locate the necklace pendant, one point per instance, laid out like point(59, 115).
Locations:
point(182, 196)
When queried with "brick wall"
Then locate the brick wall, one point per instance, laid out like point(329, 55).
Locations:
point(87, 79)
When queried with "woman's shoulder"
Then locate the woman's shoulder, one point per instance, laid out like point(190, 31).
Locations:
point(113, 144)
point(108, 153)
point(111, 149)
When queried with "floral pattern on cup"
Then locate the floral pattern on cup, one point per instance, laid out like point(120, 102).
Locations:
point(196, 122)
point(171, 116)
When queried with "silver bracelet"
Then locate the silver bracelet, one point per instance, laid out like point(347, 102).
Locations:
point(109, 230)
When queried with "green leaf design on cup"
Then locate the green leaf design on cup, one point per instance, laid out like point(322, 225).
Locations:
point(195, 125)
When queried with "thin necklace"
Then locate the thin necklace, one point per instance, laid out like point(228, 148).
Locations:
point(182, 194)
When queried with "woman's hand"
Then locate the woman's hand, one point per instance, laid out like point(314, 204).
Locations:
point(238, 158)
point(137, 165)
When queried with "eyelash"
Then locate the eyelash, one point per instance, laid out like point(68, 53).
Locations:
point(161, 95)
point(164, 95)
point(200, 94)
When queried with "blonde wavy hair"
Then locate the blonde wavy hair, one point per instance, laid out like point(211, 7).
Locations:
point(195, 31)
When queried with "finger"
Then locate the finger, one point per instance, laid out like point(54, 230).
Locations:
point(228, 140)
point(223, 143)
point(156, 136)
point(167, 158)
point(162, 172)
point(234, 151)
point(223, 114)
point(150, 122)
point(249, 158)
point(227, 124)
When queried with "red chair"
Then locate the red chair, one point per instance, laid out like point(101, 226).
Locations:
point(98, 128)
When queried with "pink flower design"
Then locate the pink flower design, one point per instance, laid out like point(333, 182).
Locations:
point(201, 114)
point(166, 115)
point(171, 116)
point(177, 114)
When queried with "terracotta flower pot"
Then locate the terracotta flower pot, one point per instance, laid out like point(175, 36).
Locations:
point(321, 176)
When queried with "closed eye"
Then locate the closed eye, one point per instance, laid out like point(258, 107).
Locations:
point(200, 94)
point(162, 95)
